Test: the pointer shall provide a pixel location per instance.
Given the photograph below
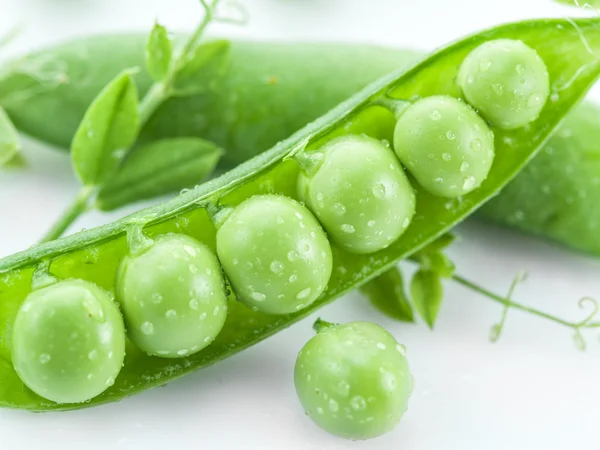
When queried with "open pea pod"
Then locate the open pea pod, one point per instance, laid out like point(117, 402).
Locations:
point(95, 255)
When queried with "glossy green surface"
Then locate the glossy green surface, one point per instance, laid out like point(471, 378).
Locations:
point(275, 254)
point(68, 341)
point(95, 254)
point(445, 145)
point(173, 296)
point(360, 194)
point(353, 380)
point(506, 81)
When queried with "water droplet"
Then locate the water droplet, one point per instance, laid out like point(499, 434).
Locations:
point(194, 304)
point(485, 65)
point(216, 311)
point(476, 144)
point(303, 293)
point(520, 68)
point(439, 180)
point(339, 209)
point(446, 156)
point(534, 100)
point(358, 403)
point(45, 358)
point(147, 328)
point(90, 376)
point(320, 410)
point(293, 278)
point(305, 247)
point(554, 97)
point(333, 405)
point(292, 255)
point(378, 190)
point(469, 183)
point(93, 354)
point(464, 166)
point(182, 352)
point(258, 296)
point(110, 381)
point(276, 266)
point(299, 215)
point(470, 79)
point(405, 223)
point(381, 346)
point(347, 228)
point(371, 223)
point(189, 250)
point(203, 316)
point(193, 268)
point(171, 314)
point(498, 89)
point(401, 349)
point(389, 380)
point(320, 196)
point(450, 135)
point(435, 114)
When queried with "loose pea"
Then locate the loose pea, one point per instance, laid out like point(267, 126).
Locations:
point(353, 380)
point(68, 341)
point(275, 254)
point(445, 145)
point(360, 194)
point(173, 296)
point(506, 81)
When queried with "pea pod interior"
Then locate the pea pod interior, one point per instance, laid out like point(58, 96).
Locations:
point(94, 255)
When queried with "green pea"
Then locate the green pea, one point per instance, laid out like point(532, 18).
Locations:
point(68, 341)
point(275, 254)
point(506, 81)
point(445, 145)
point(353, 380)
point(173, 296)
point(360, 194)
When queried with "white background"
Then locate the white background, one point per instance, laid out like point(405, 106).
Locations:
point(532, 390)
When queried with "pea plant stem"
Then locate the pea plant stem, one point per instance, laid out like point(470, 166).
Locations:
point(77, 207)
point(158, 93)
point(511, 304)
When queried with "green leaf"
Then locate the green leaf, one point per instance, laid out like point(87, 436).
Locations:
point(386, 293)
point(432, 257)
point(109, 127)
point(9, 139)
point(159, 168)
point(18, 161)
point(205, 66)
point(159, 50)
point(426, 291)
point(440, 244)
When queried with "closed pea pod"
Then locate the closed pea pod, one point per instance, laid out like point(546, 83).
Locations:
point(173, 296)
point(506, 81)
point(359, 193)
point(353, 379)
point(68, 341)
point(275, 254)
point(445, 145)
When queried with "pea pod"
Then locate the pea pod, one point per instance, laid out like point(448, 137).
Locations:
point(94, 255)
point(232, 116)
